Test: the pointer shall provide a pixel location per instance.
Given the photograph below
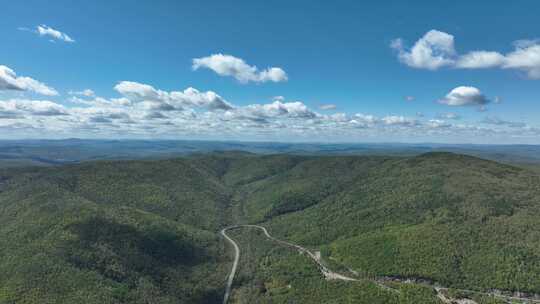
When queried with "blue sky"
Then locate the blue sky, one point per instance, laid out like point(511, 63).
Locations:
point(385, 70)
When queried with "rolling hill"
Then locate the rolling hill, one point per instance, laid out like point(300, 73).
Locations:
point(146, 231)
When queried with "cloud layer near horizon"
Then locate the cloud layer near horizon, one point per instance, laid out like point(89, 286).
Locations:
point(142, 110)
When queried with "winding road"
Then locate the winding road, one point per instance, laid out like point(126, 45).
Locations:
point(235, 265)
point(328, 274)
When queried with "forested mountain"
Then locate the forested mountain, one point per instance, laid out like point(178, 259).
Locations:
point(112, 232)
point(16, 153)
point(147, 231)
point(456, 220)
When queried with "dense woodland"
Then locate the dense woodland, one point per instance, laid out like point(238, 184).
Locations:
point(146, 231)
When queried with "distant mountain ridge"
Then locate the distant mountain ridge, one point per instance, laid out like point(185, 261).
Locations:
point(53, 152)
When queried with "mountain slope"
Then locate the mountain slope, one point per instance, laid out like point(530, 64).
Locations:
point(135, 231)
point(112, 232)
point(457, 220)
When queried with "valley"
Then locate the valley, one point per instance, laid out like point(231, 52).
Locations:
point(388, 229)
point(444, 294)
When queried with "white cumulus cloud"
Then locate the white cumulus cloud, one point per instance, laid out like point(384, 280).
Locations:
point(44, 30)
point(139, 91)
point(174, 100)
point(277, 108)
point(10, 81)
point(193, 97)
point(436, 49)
point(464, 96)
point(32, 107)
point(526, 57)
point(480, 60)
point(433, 51)
point(227, 65)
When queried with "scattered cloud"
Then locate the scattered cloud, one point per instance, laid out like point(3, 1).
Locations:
point(399, 120)
point(209, 99)
point(480, 60)
point(19, 107)
point(409, 98)
point(437, 124)
point(436, 50)
point(492, 120)
point(464, 96)
point(227, 65)
point(277, 108)
point(139, 91)
point(526, 57)
point(365, 119)
point(433, 51)
point(327, 106)
point(449, 115)
point(86, 93)
point(47, 31)
point(168, 101)
point(10, 81)
point(142, 110)
point(44, 30)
